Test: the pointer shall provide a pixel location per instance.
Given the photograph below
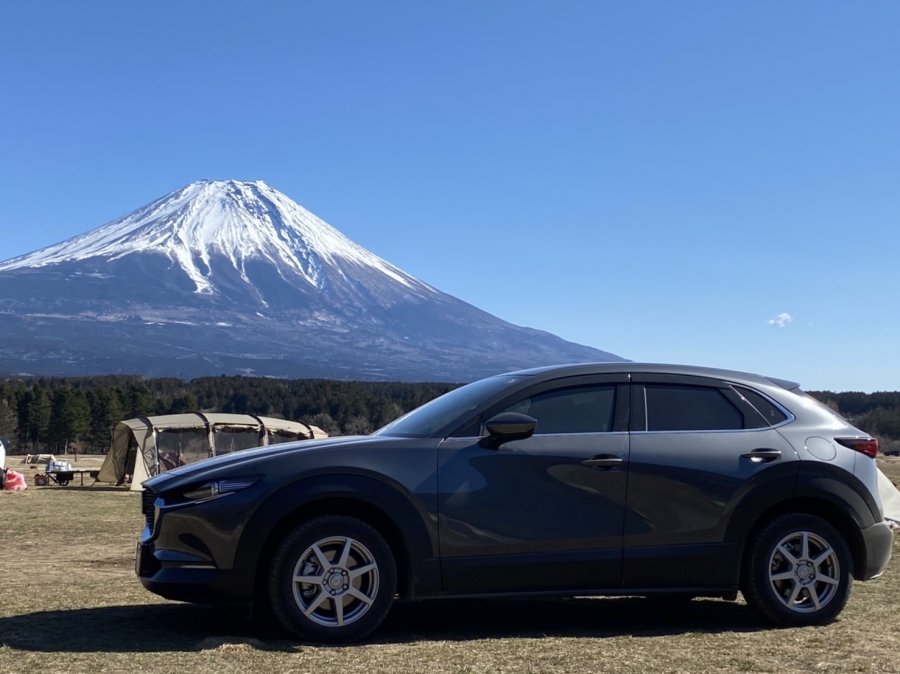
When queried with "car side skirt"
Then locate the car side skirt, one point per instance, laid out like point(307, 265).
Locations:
point(667, 566)
point(725, 592)
point(534, 571)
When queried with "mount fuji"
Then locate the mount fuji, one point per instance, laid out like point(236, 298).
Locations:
point(228, 277)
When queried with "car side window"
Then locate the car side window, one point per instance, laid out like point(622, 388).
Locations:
point(583, 409)
point(690, 408)
point(763, 405)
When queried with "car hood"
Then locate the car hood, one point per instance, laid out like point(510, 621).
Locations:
point(244, 460)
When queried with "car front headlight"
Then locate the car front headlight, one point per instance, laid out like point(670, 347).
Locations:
point(216, 489)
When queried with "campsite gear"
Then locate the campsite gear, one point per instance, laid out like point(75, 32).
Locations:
point(890, 499)
point(148, 446)
point(3, 442)
point(63, 476)
point(37, 459)
point(54, 466)
point(41, 480)
point(14, 481)
point(61, 472)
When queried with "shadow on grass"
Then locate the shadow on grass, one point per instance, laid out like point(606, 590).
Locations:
point(87, 487)
point(77, 487)
point(184, 627)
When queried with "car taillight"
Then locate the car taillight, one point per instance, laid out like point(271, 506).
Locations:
point(867, 446)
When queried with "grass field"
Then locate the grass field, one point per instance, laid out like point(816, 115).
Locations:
point(69, 602)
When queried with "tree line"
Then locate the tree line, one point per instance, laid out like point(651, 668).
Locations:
point(52, 414)
point(49, 414)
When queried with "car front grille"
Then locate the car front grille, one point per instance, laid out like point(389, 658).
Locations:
point(148, 498)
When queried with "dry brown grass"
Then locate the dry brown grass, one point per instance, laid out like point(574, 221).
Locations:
point(70, 603)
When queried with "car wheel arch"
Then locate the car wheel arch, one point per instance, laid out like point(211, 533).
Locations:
point(380, 505)
point(823, 508)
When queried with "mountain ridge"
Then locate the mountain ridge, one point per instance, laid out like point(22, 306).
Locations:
point(255, 278)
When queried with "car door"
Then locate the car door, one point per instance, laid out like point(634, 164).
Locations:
point(698, 448)
point(545, 513)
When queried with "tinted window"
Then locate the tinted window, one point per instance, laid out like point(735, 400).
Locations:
point(586, 409)
point(763, 405)
point(690, 408)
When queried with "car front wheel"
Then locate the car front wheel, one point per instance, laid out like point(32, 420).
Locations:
point(333, 579)
point(798, 571)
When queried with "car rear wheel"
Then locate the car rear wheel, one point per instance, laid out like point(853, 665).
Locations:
point(798, 571)
point(333, 579)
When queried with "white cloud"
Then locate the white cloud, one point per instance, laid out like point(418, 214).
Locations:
point(781, 320)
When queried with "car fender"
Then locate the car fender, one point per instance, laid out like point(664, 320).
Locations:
point(840, 488)
point(408, 517)
point(813, 481)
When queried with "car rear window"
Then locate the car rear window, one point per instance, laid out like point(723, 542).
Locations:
point(690, 408)
point(769, 410)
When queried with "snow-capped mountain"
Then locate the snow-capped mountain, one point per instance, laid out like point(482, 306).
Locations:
point(229, 277)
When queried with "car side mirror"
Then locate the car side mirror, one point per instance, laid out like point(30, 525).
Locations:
point(508, 426)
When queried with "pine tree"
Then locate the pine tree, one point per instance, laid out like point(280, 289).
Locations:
point(184, 404)
point(106, 412)
point(38, 413)
point(9, 422)
point(71, 417)
point(139, 402)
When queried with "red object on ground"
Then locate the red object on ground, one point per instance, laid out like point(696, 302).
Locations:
point(15, 481)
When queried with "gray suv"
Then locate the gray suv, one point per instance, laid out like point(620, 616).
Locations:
point(607, 479)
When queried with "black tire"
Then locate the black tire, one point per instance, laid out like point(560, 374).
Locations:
point(337, 606)
point(793, 588)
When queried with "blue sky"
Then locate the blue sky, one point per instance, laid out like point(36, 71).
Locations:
point(655, 179)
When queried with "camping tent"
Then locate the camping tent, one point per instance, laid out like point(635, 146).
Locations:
point(148, 446)
point(890, 498)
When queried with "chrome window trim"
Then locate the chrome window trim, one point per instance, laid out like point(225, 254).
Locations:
point(722, 430)
point(646, 410)
point(569, 435)
point(734, 387)
point(542, 435)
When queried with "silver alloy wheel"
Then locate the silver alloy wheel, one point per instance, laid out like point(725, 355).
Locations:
point(804, 572)
point(335, 581)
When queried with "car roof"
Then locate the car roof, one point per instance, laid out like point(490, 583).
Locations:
point(574, 369)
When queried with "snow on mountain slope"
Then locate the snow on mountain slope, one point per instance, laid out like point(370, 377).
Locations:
point(241, 221)
point(226, 277)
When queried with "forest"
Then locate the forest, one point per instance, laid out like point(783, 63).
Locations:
point(55, 414)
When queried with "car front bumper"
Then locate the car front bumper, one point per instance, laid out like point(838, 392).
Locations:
point(174, 575)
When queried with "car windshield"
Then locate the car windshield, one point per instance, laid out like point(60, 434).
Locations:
point(431, 417)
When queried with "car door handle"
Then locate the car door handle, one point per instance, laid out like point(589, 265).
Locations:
point(602, 461)
point(760, 455)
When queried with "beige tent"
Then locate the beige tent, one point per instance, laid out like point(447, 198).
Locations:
point(38, 458)
point(148, 446)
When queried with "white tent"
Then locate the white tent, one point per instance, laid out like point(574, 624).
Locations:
point(890, 498)
point(147, 446)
